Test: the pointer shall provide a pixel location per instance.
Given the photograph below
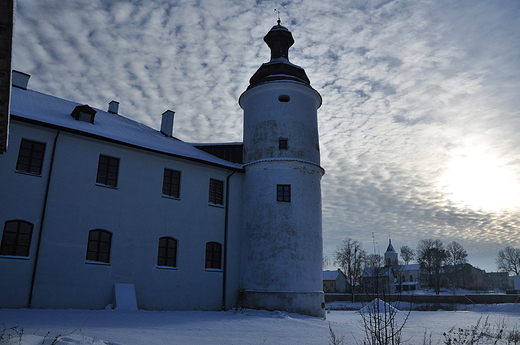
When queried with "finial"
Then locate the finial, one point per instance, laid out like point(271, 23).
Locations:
point(278, 12)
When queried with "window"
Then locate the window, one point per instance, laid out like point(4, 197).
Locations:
point(83, 113)
point(213, 255)
point(411, 278)
point(216, 192)
point(107, 171)
point(167, 252)
point(283, 192)
point(171, 183)
point(16, 239)
point(30, 157)
point(98, 248)
point(283, 144)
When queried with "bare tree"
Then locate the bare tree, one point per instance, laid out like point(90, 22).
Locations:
point(350, 255)
point(374, 260)
point(432, 256)
point(325, 262)
point(457, 258)
point(407, 254)
point(508, 260)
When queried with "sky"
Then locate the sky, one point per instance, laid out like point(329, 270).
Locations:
point(420, 121)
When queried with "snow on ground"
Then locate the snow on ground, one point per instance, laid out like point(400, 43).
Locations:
point(102, 327)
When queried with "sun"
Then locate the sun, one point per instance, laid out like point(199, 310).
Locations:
point(481, 182)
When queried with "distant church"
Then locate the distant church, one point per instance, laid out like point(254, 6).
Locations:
point(92, 200)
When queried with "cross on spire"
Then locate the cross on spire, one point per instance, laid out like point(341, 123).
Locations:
point(278, 12)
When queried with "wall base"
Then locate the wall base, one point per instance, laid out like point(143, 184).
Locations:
point(307, 303)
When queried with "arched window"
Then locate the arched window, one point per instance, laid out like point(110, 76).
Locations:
point(16, 238)
point(98, 248)
point(213, 255)
point(403, 278)
point(167, 255)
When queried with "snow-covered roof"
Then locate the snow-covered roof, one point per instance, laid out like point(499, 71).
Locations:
point(410, 267)
point(373, 272)
point(46, 109)
point(331, 275)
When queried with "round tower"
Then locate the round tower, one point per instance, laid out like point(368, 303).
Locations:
point(282, 239)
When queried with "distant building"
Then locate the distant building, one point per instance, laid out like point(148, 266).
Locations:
point(409, 277)
point(335, 281)
point(496, 280)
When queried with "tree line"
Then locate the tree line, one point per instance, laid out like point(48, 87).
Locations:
point(441, 266)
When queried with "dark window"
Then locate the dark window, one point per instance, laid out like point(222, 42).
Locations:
point(282, 144)
point(167, 252)
point(284, 98)
point(283, 192)
point(411, 278)
point(171, 183)
point(107, 171)
point(216, 192)
point(16, 239)
point(98, 248)
point(213, 255)
point(30, 157)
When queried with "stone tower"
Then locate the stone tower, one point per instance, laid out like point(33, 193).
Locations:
point(282, 239)
point(390, 255)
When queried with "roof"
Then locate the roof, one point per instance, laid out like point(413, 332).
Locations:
point(390, 248)
point(410, 267)
point(55, 112)
point(373, 272)
point(331, 275)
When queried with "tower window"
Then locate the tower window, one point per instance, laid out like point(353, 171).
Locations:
point(213, 255)
point(108, 168)
point(98, 248)
point(283, 192)
point(30, 157)
point(283, 144)
point(171, 183)
point(216, 192)
point(16, 238)
point(284, 98)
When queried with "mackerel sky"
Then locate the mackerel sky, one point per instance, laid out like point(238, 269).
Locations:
point(420, 122)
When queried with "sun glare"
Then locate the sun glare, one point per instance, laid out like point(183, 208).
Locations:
point(481, 183)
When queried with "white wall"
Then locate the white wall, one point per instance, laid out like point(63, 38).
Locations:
point(137, 215)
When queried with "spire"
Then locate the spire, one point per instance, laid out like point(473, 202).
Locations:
point(279, 39)
point(390, 247)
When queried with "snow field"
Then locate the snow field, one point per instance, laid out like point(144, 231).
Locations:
point(105, 327)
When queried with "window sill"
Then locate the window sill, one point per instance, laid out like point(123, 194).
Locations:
point(14, 257)
point(170, 268)
point(214, 270)
point(99, 263)
point(170, 197)
point(27, 173)
point(105, 186)
point(216, 205)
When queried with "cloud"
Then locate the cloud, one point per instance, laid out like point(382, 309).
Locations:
point(409, 89)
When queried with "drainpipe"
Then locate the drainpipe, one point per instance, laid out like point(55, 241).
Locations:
point(42, 219)
point(226, 226)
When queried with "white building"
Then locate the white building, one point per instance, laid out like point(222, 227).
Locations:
point(91, 199)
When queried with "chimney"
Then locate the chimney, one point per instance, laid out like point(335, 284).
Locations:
point(20, 79)
point(113, 107)
point(167, 123)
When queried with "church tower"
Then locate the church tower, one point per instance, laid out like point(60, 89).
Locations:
point(282, 239)
point(390, 255)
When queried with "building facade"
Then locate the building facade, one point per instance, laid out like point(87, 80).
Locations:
point(91, 199)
